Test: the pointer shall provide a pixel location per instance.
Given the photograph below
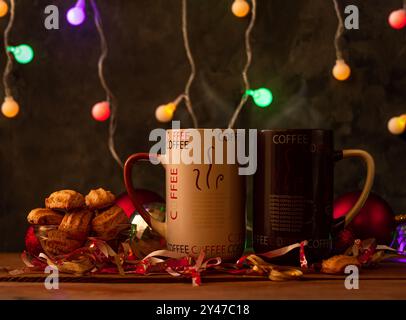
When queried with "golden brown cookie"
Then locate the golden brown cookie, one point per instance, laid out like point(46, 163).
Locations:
point(77, 223)
point(99, 198)
point(108, 224)
point(65, 200)
point(44, 217)
point(58, 242)
point(337, 264)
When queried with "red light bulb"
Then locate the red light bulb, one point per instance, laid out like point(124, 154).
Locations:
point(397, 19)
point(101, 111)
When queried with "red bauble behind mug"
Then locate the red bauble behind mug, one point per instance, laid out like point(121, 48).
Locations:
point(375, 220)
point(144, 197)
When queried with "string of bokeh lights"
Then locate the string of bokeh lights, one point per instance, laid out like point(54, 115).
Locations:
point(397, 20)
point(165, 112)
point(107, 109)
point(341, 71)
point(104, 110)
point(22, 53)
point(262, 97)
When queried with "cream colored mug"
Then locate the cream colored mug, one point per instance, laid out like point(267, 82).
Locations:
point(205, 202)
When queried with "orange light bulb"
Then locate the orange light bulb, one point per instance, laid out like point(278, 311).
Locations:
point(164, 113)
point(3, 8)
point(397, 125)
point(10, 107)
point(240, 8)
point(341, 70)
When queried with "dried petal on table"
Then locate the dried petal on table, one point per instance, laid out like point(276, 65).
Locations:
point(337, 264)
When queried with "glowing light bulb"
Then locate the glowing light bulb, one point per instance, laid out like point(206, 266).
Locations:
point(3, 8)
point(164, 113)
point(240, 8)
point(397, 125)
point(22, 53)
point(397, 19)
point(101, 111)
point(10, 107)
point(262, 97)
point(77, 15)
point(341, 70)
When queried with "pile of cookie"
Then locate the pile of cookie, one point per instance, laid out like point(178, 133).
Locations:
point(74, 218)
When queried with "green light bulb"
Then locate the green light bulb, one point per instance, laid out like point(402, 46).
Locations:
point(262, 97)
point(22, 53)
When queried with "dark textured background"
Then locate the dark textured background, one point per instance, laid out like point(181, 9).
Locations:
point(54, 143)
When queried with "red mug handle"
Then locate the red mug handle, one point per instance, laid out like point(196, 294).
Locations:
point(135, 195)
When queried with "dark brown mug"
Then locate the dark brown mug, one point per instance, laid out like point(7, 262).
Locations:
point(293, 190)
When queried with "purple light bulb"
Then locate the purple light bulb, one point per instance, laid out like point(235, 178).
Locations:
point(76, 15)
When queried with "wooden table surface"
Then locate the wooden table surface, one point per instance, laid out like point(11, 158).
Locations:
point(386, 282)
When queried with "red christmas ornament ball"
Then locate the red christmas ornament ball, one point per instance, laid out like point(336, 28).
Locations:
point(375, 220)
point(345, 239)
point(143, 197)
point(32, 244)
point(397, 19)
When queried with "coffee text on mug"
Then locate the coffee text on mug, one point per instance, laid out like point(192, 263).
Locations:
point(190, 146)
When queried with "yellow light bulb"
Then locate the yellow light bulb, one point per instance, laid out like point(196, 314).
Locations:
point(397, 125)
point(341, 70)
point(164, 113)
point(3, 8)
point(240, 8)
point(10, 107)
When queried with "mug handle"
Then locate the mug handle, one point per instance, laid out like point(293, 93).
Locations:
point(133, 194)
point(370, 164)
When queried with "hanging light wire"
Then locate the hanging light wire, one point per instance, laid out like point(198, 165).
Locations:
point(9, 65)
point(110, 98)
point(186, 94)
point(247, 65)
point(339, 32)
